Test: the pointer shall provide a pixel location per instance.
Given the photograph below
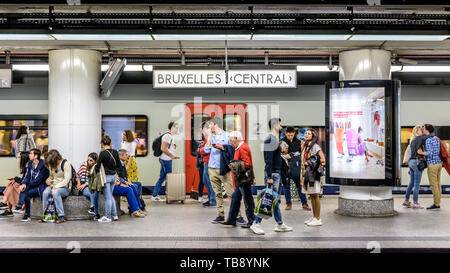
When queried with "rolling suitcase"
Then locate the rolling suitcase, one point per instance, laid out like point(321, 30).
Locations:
point(176, 187)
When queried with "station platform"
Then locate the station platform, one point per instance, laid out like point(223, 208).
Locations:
point(188, 228)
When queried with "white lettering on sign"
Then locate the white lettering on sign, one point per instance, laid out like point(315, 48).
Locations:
point(263, 78)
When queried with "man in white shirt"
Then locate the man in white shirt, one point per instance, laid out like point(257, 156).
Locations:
point(168, 148)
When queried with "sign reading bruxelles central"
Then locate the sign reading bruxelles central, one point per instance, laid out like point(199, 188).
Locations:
point(263, 78)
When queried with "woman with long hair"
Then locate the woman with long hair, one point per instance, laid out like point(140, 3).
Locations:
point(129, 145)
point(309, 176)
point(12, 191)
point(416, 142)
point(83, 179)
point(24, 141)
point(110, 160)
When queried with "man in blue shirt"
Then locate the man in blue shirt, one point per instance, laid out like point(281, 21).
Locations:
point(217, 139)
point(434, 164)
point(272, 176)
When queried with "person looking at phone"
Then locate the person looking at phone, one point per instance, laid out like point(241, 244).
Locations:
point(272, 175)
point(168, 148)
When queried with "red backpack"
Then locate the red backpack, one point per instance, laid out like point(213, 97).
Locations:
point(445, 157)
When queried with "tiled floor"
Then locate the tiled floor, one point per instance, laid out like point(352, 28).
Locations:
point(188, 227)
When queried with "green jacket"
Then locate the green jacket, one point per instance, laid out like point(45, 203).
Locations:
point(95, 182)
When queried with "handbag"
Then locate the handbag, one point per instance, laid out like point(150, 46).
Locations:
point(407, 155)
point(421, 164)
point(194, 194)
point(102, 175)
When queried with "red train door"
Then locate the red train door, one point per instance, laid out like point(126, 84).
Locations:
point(234, 117)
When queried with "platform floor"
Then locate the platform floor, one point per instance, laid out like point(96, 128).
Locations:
point(177, 227)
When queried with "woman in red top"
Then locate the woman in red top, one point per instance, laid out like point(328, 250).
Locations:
point(242, 152)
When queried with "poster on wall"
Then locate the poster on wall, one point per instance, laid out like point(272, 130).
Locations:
point(357, 117)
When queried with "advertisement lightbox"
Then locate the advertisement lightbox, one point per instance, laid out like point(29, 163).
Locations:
point(363, 133)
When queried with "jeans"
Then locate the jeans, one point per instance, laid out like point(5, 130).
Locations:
point(287, 190)
point(415, 175)
point(246, 192)
point(200, 183)
point(89, 195)
point(132, 196)
point(166, 167)
point(138, 186)
point(25, 196)
point(276, 187)
point(110, 203)
point(208, 185)
point(57, 198)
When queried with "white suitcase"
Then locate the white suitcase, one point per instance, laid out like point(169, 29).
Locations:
point(176, 187)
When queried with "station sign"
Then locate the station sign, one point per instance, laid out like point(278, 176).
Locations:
point(217, 78)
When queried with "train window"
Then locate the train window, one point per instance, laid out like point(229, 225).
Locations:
point(232, 122)
point(9, 125)
point(114, 125)
point(196, 131)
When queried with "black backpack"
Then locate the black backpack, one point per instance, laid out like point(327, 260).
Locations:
point(73, 180)
point(156, 145)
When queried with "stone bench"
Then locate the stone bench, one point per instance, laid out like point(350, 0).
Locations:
point(75, 207)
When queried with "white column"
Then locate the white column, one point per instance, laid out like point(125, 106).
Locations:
point(365, 64)
point(74, 103)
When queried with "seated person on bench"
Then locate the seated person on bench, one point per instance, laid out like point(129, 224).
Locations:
point(58, 182)
point(33, 184)
point(124, 187)
point(83, 179)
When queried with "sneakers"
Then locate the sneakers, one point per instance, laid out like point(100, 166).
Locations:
point(115, 218)
point(26, 218)
point(96, 217)
point(240, 220)
point(158, 199)
point(434, 207)
point(19, 211)
point(288, 207)
point(6, 213)
point(200, 200)
point(283, 228)
point(406, 204)
point(228, 224)
point(246, 225)
point(143, 212)
point(306, 207)
point(207, 204)
point(256, 228)
point(3, 205)
point(137, 214)
point(105, 219)
point(309, 220)
point(61, 220)
point(91, 211)
point(416, 206)
point(315, 222)
point(218, 220)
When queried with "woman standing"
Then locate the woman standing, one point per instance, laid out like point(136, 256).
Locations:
point(417, 142)
point(109, 158)
point(24, 141)
point(129, 145)
point(310, 177)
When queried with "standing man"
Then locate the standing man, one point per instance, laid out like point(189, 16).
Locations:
point(242, 153)
point(217, 140)
point(294, 165)
point(434, 163)
point(272, 176)
point(168, 148)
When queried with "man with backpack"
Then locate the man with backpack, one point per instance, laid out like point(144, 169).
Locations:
point(164, 147)
point(434, 164)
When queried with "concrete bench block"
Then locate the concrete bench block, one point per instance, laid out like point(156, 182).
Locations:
point(75, 207)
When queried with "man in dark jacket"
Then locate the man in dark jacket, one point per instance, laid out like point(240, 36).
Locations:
point(293, 158)
point(33, 184)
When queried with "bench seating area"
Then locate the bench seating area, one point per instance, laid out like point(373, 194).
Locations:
point(75, 207)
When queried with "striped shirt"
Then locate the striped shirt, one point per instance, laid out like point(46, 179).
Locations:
point(433, 149)
point(83, 173)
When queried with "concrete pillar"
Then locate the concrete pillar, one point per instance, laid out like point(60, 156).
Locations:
point(365, 64)
point(74, 121)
